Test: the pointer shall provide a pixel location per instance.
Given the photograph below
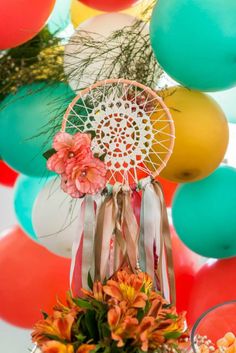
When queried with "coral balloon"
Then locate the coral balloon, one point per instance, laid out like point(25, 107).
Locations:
point(213, 284)
point(201, 131)
point(22, 20)
point(7, 175)
point(25, 121)
point(204, 214)
point(31, 279)
point(194, 41)
point(109, 5)
point(186, 265)
point(168, 189)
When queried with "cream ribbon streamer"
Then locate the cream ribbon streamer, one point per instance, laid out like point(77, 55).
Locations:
point(155, 241)
point(85, 236)
point(116, 222)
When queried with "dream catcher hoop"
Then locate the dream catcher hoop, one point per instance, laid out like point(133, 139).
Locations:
point(132, 128)
point(128, 134)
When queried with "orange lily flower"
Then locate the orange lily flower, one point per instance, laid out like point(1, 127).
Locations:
point(127, 288)
point(97, 292)
point(86, 348)
point(57, 325)
point(56, 347)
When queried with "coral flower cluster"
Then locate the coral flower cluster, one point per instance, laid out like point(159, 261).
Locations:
point(123, 314)
point(81, 172)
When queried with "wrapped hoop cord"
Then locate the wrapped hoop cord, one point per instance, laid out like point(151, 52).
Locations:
point(132, 126)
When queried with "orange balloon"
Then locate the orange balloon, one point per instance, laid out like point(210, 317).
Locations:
point(186, 265)
point(214, 284)
point(169, 188)
point(31, 279)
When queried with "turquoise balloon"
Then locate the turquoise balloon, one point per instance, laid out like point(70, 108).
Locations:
point(195, 42)
point(60, 16)
point(26, 120)
point(204, 214)
point(25, 193)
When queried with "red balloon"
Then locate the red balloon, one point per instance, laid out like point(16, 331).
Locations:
point(186, 265)
point(169, 188)
point(109, 5)
point(7, 175)
point(22, 20)
point(31, 279)
point(213, 284)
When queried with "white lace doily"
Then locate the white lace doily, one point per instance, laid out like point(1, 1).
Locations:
point(132, 128)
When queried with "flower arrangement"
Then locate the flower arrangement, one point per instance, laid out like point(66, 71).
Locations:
point(123, 314)
point(81, 172)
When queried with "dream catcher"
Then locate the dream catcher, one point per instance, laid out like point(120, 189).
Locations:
point(116, 137)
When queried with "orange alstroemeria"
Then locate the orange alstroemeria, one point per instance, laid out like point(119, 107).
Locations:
point(56, 347)
point(86, 348)
point(152, 332)
point(57, 325)
point(126, 288)
point(121, 325)
point(97, 292)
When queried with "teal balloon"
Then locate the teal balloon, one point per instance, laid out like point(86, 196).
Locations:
point(60, 16)
point(25, 192)
point(195, 42)
point(204, 214)
point(26, 120)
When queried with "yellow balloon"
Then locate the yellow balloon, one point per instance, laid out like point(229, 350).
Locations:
point(81, 13)
point(201, 131)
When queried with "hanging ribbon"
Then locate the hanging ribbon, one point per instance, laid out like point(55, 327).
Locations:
point(83, 247)
point(116, 223)
point(155, 254)
point(166, 267)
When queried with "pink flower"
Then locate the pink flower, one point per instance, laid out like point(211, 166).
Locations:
point(87, 176)
point(68, 147)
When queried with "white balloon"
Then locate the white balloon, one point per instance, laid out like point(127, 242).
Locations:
point(100, 25)
point(227, 100)
point(55, 218)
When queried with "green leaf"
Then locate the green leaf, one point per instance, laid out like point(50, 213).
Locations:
point(80, 337)
point(140, 314)
point(105, 330)
point(171, 316)
point(45, 315)
point(91, 324)
point(102, 157)
point(54, 338)
point(92, 133)
point(90, 281)
point(49, 153)
point(83, 303)
point(172, 335)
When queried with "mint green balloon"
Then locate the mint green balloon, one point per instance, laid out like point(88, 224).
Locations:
point(25, 127)
point(60, 16)
point(204, 214)
point(195, 42)
point(26, 190)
